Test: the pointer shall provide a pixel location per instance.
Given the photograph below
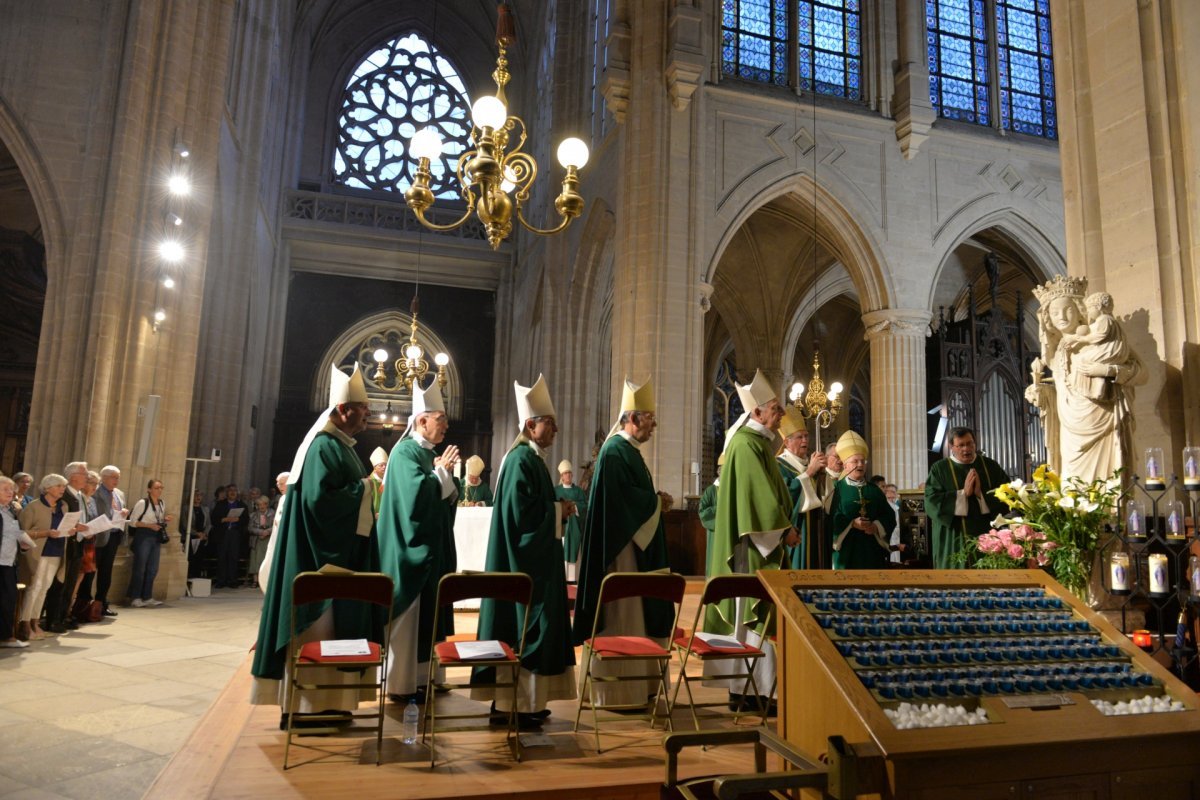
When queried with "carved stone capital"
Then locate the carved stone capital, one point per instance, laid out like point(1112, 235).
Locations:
point(887, 322)
point(705, 299)
point(615, 83)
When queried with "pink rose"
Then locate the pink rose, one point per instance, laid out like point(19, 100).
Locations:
point(1048, 545)
point(1043, 559)
point(1023, 532)
point(1006, 537)
point(988, 543)
point(1015, 551)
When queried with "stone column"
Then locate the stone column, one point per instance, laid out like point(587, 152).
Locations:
point(658, 319)
point(898, 445)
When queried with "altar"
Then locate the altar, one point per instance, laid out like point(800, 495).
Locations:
point(471, 528)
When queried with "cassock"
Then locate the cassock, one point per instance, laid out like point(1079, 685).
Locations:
point(526, 536)
point(852, 548)
point(416, 548)
point(479, 493)
point(572, 528)
point(953, 515)
point(325, 518)
point(623, 532)
point(754, 511)
point(806, 497)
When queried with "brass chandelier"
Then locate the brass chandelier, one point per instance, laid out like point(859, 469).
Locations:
point(412, 366)
point(497, 174)
point(816, 403)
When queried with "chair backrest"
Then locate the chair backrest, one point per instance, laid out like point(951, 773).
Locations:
point(368, 587)
point(724, 587)
point(515, 587)
point(668, 586)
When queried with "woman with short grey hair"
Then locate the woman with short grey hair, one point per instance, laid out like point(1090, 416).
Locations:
point(40, 519)
point(12, 541)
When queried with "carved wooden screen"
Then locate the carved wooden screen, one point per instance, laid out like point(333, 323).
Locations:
point(977, 368)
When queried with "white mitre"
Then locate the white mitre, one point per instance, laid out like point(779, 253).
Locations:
point(757, 392)
point(533, 401)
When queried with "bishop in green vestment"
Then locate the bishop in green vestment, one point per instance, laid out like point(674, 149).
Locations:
point(800, 471)
point(623, 532)
point(325, 518)
point(960, 497)
point(416, 539)
point(573, 534)
point(860, 518)
point(476, 492)
point(754, 523)
point(379, 459)
point(708, 510)
point(526, 536)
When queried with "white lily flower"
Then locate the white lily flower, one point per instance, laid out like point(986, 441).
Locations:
point(1066, 501)
point(1088, 506)
point(999, 522)
point(1016, 483)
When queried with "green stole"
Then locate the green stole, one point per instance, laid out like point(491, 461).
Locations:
point(859, 549)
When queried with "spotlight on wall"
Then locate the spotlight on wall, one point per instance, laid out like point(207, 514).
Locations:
point(179, 185)
point(174, 219)
point(160, 315)
point(169, 282)
point(181, 150)
point(171, 250)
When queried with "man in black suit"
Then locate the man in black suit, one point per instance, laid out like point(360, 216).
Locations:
point(228, 531)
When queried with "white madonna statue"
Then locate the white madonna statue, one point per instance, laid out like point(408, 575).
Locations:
point(1085, 400)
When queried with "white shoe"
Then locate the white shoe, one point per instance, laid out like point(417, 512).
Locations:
point(14, 643)
point(138, 603)
point(152, 602)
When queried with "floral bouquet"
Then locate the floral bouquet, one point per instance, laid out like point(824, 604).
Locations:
point(1055, 525)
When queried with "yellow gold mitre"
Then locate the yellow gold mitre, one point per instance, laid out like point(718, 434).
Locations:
point(637, 398)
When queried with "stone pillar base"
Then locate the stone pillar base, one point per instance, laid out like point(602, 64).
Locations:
point(169, 584)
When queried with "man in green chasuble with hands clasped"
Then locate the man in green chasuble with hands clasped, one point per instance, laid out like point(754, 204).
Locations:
point(623, 532)
point(325, 517)
point(567, 489)
point(476, 492)
point(860, 518)
point(753, 524)
point(960, 497)
point(800, 471)
point(416, 540)
point(526, 536)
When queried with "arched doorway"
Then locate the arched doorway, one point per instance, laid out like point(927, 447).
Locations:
point(23, 272)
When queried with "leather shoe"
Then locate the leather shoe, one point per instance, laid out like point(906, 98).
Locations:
point(108, 612)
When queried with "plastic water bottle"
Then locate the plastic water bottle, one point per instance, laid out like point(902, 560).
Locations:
point(411, 715)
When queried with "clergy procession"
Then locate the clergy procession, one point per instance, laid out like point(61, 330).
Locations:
point(775, 505)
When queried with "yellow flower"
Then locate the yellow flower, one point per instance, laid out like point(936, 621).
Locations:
point(1047, 475)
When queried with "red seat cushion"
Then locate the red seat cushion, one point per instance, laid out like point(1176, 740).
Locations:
point(447, 652)
point(311, 653)
point(702, 648)
point(626, 646)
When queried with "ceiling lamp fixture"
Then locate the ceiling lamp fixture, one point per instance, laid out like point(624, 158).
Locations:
point(496, 175)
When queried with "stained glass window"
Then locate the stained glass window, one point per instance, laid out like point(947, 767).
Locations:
point(600, 20)
point(830, 47)
point(754, 40)
point(401, 87)
point(1026, 67)
point(957, 46)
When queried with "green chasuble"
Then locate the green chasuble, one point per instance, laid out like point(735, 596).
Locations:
point(523, 539)
point(860, 549)
point(752, 498)
point(378, 499)
point(950, 532)
point(795, 558)
point(572, 528)
point(708, 517)
point(477, 494)
point(320, 517)
point(621, 500)
point(416, 535)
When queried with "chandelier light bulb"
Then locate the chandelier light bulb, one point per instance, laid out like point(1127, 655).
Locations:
point(413, 352)
point(489, 112)
point(395, 417)
point(381, 355)
point(169, 283)
point(179, 185)
point(160, 315)
point(426, 143)
point(797, 391)
point(835, 389)
point(573, 153)
point(175, 219)
point(171, 250)
point(441, 359)
point(510, 180)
